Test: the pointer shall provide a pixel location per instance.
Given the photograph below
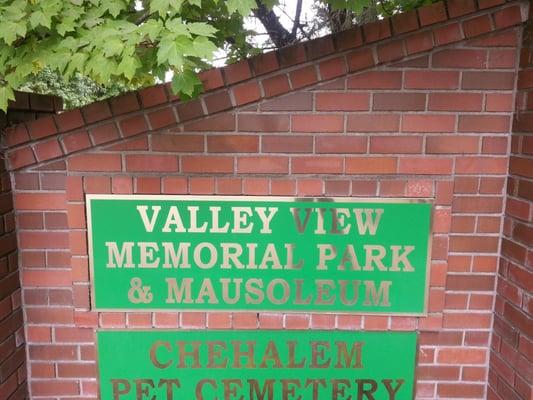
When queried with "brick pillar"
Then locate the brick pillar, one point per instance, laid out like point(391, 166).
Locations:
point(511, 363)
point(13, 385)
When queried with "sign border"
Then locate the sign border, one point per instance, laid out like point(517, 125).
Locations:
point(310, 199)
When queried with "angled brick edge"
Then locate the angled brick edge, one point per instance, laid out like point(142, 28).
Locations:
point(262, 77)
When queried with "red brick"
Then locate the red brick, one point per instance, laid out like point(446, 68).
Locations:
point(16, 135)
point(217, 101)
point(310, 187)
point(405, 22)
point(265, 63)
point(69, 120)
point(317, 165)
point(465, 390)
point(390, 51)
point(207, 164)
point(40, 201)
point(399, 101)
point(320, 47)
point(189, 110)
point(373, 123)
point(505, 59)
point(484, 123)
point(48, 278)
point(360, 59)
point(246, 93)
point(455, 101)
point(477, 26)
point(151, 163)
point(426, 165)
point(448, 34)
point(48, 150)
point(96, 111)
point(377, 30)
point(481, 165)
point(121, 185)
point(474, 244)
point(340, 144)
point(317, 123)
point(40, 240)
point(494, 145)
point(348, 39)
point(174, 185)
point(177, 142)
point(460, 58)
point(489, 3)
point(342, 101)
point(482, 204)
point(371, 165)
point(76, 141)
point(332, 68)
point(263, 122)
point(153, 96)
point(458, 8)
point(54, 387)
point(133, 125)
point(432, 14)
point(287, 144)
point(431, 80)
point(237, 72)
point(419, 42)
point(255, 186)
point(488, 80)
point(303, 77)
point(124, 104)
point(21, 158)
point(292, 55)
point(395, 144)
point(276, 85)
point(299, 101)
point(232, 144)
point(95, 162)
point(161, 118)
point(508, 17)
point(42, 127)
point(104, 133)
point(428, 123)
point(211, 79)
point(452, 144)
point(376, 80)
point(263, 165)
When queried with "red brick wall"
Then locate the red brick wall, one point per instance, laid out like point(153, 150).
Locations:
point(26, 107)
point(419, 106)
point(511, 363)
point(12, 352)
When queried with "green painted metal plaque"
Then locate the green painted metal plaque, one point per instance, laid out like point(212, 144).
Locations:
point(256, 365)
point(265, 254)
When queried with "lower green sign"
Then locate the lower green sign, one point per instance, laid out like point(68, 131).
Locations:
point(256, 365)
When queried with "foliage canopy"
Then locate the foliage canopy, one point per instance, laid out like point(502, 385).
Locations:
point(130, 43)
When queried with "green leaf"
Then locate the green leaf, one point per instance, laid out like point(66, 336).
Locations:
point(6, 94)
point(67, 25)
point(38, 18)
point(197, 3)
point(112, 47)
point(163, 7)
point(151, 28)
point(243, 7)
point(177, 27)
point(9, 31)
point(203, 47)
point(186, 82)
point(202, 29)
point(128, 66)
point(168, 53)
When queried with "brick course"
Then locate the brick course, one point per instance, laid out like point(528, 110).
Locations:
point(420, 106)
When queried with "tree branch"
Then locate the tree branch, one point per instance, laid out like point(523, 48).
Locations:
point(296, 23)
point(277, 32)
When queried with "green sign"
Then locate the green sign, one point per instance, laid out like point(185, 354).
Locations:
point(251, 253)
point(256, 365)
